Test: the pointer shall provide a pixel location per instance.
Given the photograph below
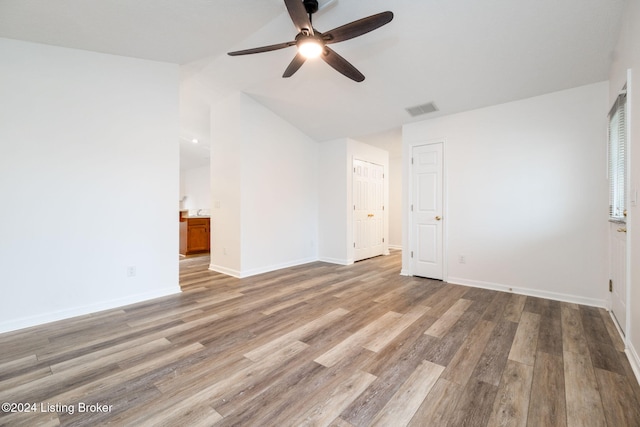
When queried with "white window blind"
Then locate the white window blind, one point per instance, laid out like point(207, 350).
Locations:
point(617, 159)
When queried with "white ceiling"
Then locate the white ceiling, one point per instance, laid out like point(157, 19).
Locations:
point(460, 54)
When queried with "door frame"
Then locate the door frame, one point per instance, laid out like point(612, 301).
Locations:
point(625, 329)
point(408, 240)
point(385, 208)
point(360, 151)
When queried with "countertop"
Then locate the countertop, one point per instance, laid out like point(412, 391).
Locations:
point(185, 215)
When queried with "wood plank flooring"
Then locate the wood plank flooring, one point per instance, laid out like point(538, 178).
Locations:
point(326, 345)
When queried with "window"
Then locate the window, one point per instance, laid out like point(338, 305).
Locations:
point(617, 159)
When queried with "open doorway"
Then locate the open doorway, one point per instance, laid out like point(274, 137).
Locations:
point(195, 198)
point(368, 209)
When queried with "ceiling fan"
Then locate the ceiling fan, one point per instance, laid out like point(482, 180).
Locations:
point(312, 43)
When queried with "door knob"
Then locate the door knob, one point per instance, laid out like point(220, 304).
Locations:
point(622, 230)
point(370, 215)
point(438, 218)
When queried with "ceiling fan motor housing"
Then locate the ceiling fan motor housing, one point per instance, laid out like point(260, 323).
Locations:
point(311, 6)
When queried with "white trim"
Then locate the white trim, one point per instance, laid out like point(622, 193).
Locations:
point(254, 272)
point(27, 322)
point(634, 360)
point(529, 292)
point(335, 261)
point(630, 220)
point(617, 325)
point(629, 350)
point(408, 240)
point(385, 205)
point(395, 247)
point(225, 270)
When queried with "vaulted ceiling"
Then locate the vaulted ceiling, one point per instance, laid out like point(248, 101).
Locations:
point(459, 54)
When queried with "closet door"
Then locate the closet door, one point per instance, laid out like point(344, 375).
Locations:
point(427, 211)
point(368, 209)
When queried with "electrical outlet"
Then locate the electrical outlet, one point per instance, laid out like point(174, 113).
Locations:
point(462, 259)
point(131, 271)
point(224, 251)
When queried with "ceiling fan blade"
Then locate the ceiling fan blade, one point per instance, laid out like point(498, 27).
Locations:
point(262, 49)
point(341, 65)
point(294, 65)
point(299, 15)
point(357, 28)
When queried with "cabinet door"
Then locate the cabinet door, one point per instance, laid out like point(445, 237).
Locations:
point(198, 238)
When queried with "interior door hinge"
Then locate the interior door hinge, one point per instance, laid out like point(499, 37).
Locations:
point(411, 254)
point(354, 244)
point(610, 285)
point(412, 160)
point(411, 208)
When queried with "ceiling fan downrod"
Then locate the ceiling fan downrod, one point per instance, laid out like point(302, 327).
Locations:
point(311, 6)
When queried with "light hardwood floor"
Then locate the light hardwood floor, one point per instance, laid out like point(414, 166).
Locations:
point(321, 344)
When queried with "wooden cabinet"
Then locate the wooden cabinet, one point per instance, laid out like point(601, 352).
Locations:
point(194, 235)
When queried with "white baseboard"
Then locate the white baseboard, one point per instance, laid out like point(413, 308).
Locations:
point(260, 270)
point(634, 360)
point(253, 272)
point(395, 247)
point(335, 261)
point(224, 270)
point(529, 292)
point(629, 350)
point(40, 319)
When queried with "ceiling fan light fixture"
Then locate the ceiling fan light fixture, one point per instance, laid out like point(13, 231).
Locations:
point(310, 48)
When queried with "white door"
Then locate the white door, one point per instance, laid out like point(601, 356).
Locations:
point(368, 209)
point(618, 273)
point(618, 198)
point(426, 211)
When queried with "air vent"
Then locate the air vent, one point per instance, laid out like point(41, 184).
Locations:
point(422, 109)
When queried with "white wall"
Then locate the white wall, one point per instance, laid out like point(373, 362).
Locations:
point(626, 68)
point(89, 182)
point(273, 168)
point(336, 196)
point(526, 194)
point(280, 198)
point(333, 239)
point(395, 202)
point(195, 187)
point(226, 180)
